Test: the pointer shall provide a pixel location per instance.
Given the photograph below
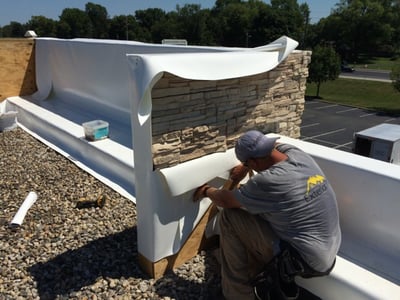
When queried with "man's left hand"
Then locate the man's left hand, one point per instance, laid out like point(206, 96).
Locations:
point(200, 192)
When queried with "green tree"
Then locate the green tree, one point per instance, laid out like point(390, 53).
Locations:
point(191, 24)
point(99, 20)
point(290, 18)
point(324, 66)
point(358, 26)
point(14, 29)
point(43, 26)
point(395, 76)
point(305, 13)
point(74, 23)
point(394, 17)
point(220, 5)
point(233, 23)
point(123, 28)
point(261, 29)
point(149, 21)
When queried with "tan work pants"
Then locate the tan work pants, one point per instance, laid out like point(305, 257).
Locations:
point(246, 245)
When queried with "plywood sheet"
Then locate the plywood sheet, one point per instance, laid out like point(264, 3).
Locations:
point(17, 71)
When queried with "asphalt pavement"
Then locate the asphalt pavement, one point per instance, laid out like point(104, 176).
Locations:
point(334, 125)
point(367, 74)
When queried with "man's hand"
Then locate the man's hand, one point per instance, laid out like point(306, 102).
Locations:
point(219, 197)
point(238, 173)
point(200, 192)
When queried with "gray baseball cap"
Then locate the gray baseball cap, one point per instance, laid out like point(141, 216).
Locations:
point(254, 144)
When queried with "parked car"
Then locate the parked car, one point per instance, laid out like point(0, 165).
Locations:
point(346, 68)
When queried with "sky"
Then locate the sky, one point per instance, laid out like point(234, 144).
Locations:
point(22, 10)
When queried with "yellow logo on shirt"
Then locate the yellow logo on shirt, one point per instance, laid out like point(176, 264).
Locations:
point(314, 181)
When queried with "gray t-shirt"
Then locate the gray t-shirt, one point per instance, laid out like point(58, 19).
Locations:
point(297, 200)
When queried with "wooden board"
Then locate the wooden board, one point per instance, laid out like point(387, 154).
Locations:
point(193, 245)
point(17, 72)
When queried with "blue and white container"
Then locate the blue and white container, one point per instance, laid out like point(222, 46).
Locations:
point(96, 130)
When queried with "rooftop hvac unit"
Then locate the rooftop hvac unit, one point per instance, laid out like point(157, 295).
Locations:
point(380, 142)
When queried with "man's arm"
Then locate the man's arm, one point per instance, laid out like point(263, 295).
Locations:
point(222, 198)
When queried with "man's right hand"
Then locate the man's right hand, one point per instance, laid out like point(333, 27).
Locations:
point(238, 173)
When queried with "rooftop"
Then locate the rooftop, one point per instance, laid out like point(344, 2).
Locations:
point(358, 181)
point(62, 252)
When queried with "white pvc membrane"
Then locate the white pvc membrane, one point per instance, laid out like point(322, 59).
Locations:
point(81, 80)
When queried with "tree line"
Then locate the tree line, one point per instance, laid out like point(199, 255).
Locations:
point(354, 27)
point(228, 23)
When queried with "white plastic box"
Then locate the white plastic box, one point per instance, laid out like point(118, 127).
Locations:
point(96, 130)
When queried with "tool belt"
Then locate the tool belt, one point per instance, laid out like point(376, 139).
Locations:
point(277, 282)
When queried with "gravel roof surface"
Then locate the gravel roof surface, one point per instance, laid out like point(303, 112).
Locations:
point(64, 252)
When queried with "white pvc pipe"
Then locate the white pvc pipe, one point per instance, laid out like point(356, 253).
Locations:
point(26, 205)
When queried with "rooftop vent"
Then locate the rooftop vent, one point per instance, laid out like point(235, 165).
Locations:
point(174, 42)
point(30, 34)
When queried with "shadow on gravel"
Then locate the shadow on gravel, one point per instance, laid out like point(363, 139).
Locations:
point(114, 256)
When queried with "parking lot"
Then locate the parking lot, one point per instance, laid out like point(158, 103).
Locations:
point(333, 125)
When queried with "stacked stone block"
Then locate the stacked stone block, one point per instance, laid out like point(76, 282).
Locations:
point(191, 119)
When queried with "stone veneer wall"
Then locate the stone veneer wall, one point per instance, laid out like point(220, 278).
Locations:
point(191, 119)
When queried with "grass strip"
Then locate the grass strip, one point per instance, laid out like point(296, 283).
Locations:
point(373, 95)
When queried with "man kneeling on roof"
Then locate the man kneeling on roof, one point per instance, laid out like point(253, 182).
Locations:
point(287, 204)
